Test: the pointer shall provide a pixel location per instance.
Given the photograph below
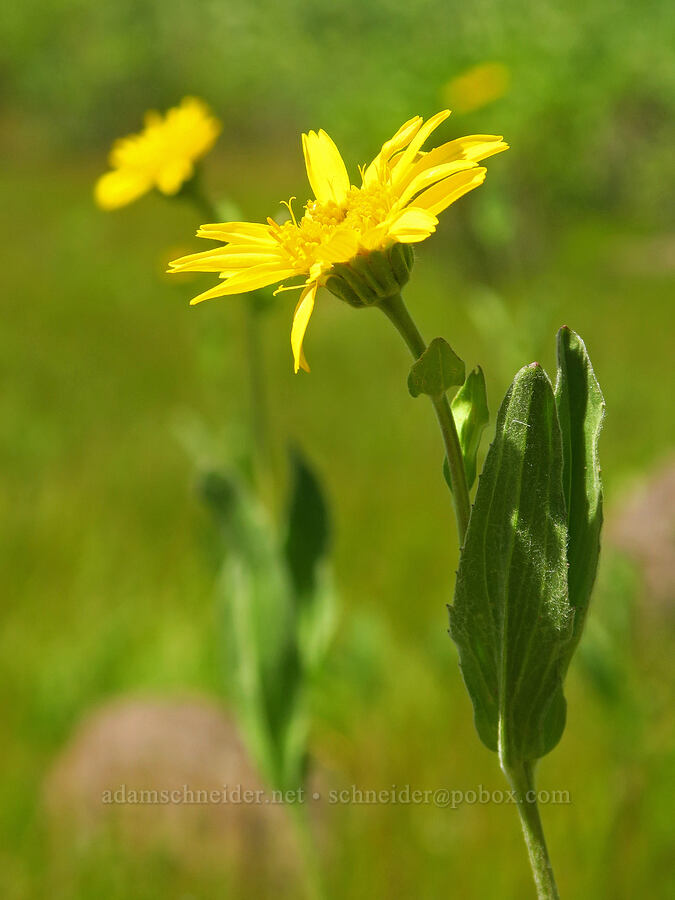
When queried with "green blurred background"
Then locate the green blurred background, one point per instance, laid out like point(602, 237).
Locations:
point(108, 557)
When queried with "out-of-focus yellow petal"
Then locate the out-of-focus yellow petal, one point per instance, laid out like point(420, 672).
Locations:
point(162, 155)
point(171, 176)
point(301, 317)
point(326, 170)
point(118, 188)
point(477, 86)
point(441, 195)
point(152, 119)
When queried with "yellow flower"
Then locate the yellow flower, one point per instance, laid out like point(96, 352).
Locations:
point(401, 193)
point(477, 86)
point(162, 156)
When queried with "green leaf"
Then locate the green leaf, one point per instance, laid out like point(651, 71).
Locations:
point(308, 527)
point(438, 369)
point(260, 624)
point(510, 618)
point(581, 409)
point(306, 550)
point(471, 415)
point(279, 613)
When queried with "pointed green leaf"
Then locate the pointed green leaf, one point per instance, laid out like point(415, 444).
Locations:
point(308, 527)
point(305, 551)
point(260, 625)
point(471, 415)
point(438, 369)
point(510, 618)
point(581, 409)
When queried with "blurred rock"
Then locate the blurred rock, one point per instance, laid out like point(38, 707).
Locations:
point(121, 766)
point(644, 529)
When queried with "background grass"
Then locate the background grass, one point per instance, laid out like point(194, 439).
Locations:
point(108, 561)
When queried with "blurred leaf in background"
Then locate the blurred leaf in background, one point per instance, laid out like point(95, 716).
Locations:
point(278, 613)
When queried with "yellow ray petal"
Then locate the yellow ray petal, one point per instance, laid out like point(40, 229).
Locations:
point(376, 237)
point(401, 139)
point(326, 170)
point(236, 231)
point(247, 280)
point(429, 176)
point(409, 154)
point(117, 188)
point(222, 258)
point(342, 246)
point(301, 317)
point(441, 195)
point(475, 147)
point(413, 225)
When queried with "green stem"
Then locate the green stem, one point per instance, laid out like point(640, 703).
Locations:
point(521, 778)
point(256, 382)
point(397, 313)
point(308, 851)
point(194, 192)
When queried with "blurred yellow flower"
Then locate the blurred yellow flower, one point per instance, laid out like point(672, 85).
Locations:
point(162, 156)
point(477, 86)
point(401, 193)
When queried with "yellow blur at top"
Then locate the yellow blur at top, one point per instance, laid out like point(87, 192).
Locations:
point(477, 87)
point(161, 156)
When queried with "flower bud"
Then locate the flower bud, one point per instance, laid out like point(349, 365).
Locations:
point(369, 278)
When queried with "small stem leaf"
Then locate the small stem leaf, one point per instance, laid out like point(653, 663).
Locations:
point(397, 312)
point(471, 415)
point(581, 410)
point(438, 369)
point(510, 618)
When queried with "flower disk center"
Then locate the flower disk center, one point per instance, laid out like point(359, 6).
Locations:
point(361, 210)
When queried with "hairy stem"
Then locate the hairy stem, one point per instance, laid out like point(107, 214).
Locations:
point(521, 778)
point(397, 313)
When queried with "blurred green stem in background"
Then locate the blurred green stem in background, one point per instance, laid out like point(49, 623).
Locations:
point(308, 850)
point(262, 468)
point(397, 312)
point(253, 310)
point(193, 192)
